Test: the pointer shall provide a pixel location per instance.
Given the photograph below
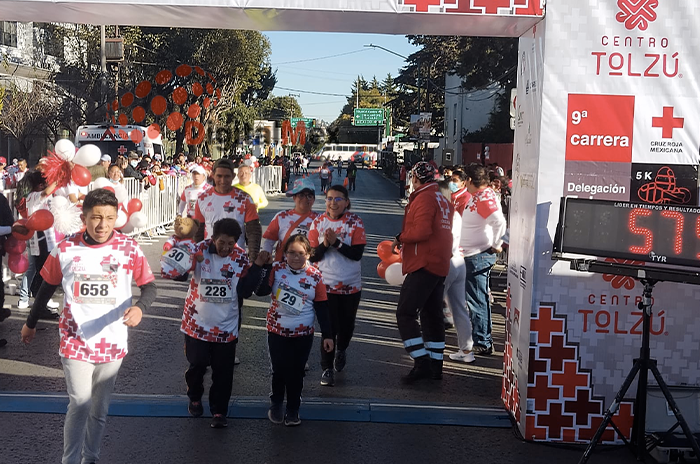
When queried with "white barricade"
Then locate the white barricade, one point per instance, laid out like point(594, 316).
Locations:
point(10, 195)
point(269, 178)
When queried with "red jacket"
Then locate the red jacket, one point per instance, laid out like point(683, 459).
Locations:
point(426, 237)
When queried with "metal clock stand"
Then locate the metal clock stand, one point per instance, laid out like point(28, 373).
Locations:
point(649, 277)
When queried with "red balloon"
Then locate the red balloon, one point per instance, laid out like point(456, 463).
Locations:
point(80, 175)
point(18, 263)
point(134, 205)
point(14, 246)
point(40, 220)
point(385, 254)
point(27, 236)
point(381, 269)
point(111, 189)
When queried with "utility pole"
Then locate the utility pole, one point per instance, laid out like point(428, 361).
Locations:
point(357, 93)
point(103, 66)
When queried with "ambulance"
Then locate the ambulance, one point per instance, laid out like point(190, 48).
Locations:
point(119, 140)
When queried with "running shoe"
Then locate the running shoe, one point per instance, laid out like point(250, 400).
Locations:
point(482, 350)
point(461, 356)
point(340, 359)
point(291, 418)
point(276, 413)
point(23, 304)
point(195, 408)
point(327, 378)
point(219, 421)
point(52, 304)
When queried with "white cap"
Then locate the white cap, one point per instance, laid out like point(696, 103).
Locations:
point(106, 158)
point(198, 169)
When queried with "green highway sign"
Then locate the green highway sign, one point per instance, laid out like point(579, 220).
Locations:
point(368, 116)
point(308, 121)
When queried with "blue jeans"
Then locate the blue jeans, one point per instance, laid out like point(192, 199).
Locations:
point(477, 289)
point(25, 289)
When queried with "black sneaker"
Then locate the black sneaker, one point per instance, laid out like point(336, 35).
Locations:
point(482, 350)
point(47, 314)
point(5, 313)
point(276, 413)
point(327, 378)
point(340, 359)
point(219, 421)
point(291, 418)
point(195, 408)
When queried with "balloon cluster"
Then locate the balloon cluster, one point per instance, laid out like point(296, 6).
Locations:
point(66, 164)
point(16, 244)
point(390, 267)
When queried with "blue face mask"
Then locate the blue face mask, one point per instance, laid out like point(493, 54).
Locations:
point(453, 187)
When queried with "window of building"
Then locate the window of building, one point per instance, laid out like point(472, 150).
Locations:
point(9, 33)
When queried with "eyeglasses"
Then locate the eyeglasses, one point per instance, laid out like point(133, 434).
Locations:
point(335, 199)
point(294, 254)
point(306, 195)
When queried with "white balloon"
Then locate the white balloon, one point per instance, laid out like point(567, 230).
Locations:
point(88, 155)
point(394, 275)
point(138, 219)
point(101, 182)
point(127, 228)
point(120, 192)
point(65, 149)
point(121, 219)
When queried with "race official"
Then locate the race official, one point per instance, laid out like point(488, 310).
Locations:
point(426, 248)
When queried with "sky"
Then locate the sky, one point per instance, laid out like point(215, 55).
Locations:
point(329, 63)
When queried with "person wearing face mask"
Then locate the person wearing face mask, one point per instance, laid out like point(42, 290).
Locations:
point(458, 187)
point(115, 174)
point(130, 170)
point(294, 221)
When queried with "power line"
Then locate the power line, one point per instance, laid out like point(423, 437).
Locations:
point(312, 92)
point(320, 57)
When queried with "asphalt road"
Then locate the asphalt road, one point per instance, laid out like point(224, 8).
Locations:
point(376, 360)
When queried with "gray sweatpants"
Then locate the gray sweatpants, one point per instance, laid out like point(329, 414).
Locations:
point(90, 387)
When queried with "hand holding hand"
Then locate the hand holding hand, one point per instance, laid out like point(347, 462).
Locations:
point(329, 237)
point(264, 257)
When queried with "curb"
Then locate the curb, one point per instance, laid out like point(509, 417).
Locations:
point(340, 410)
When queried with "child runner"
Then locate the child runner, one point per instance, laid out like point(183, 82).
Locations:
point(291, 222)
point(297, 292)
point(96, 269)
point(338, 240)
point(222, 277)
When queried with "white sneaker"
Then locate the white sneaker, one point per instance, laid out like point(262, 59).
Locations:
point(461, 356)
point(23, 304)
point(52, 304)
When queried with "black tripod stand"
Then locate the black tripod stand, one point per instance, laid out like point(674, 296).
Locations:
point(642, 366)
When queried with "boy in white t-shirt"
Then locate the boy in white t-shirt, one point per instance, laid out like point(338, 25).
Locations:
point(96, 269)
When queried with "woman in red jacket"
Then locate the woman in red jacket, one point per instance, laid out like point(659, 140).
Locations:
point(426, 248)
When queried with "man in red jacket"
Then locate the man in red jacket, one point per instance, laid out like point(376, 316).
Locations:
point(426, 248)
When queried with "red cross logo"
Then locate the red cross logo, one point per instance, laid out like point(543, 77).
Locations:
point(122, 149)
point(667, 122)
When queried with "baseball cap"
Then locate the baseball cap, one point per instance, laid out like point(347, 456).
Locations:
point(133, 155)
point(301, 184)
point(198, 169)
point(3, 160)
point(224, 163)
point(106, 158)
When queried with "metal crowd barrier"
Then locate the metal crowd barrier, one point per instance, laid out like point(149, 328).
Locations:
point(269, 178)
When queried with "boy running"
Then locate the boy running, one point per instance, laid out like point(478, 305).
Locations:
point(96, 269)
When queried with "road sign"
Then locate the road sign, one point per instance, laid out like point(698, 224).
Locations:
point(368, 116)
point(308, 121)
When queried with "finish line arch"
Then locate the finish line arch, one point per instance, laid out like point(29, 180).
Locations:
point(628, 66)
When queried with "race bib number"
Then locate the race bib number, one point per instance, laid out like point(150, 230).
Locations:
point(94, 289)
point(291, 299)
point(193, 204)
point(178, 258)
point(215, 291)
point(300, 230)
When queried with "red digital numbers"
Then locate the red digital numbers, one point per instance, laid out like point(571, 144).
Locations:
point(648, 236)
point(678, 236)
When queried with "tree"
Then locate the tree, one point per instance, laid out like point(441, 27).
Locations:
point(278, 108)
point(26, 111)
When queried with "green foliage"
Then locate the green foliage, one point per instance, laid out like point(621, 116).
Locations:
point(279, 108)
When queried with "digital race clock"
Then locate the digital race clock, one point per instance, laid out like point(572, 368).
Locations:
point(662, 234)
